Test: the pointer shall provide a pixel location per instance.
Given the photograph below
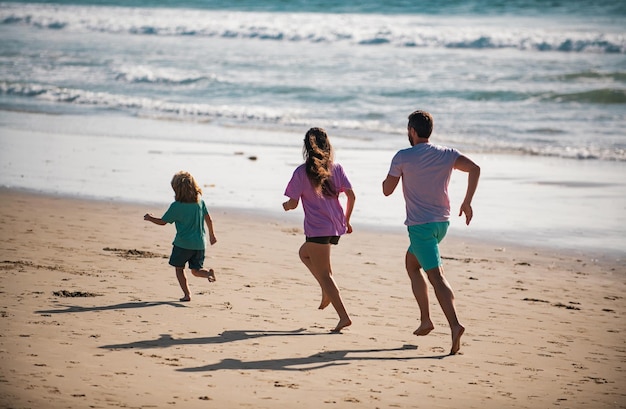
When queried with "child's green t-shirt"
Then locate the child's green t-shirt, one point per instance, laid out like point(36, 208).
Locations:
point(189, 221)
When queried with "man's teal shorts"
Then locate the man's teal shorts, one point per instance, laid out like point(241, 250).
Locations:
point(425, 239)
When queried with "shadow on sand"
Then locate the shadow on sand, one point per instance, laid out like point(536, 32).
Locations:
point(166, 340)
point(316, 361)
point(122, 306)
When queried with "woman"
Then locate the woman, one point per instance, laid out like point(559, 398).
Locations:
point(318, 182)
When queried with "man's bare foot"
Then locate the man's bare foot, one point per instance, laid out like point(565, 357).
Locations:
point(456, 339)
point(185, 298)
point(424, 329)
point(325, 302)
point(341, 325)
point(211, 275)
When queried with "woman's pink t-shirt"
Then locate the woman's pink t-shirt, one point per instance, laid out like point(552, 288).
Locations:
point(323, 215)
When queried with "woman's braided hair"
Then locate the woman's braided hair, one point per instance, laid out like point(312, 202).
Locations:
point(318, 155)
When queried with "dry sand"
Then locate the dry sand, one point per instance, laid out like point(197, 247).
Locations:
point(90, 318)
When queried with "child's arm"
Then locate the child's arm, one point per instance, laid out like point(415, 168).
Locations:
point(154, 220)
point(209, 224)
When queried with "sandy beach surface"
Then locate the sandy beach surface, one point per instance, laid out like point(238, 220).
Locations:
point(90, 318)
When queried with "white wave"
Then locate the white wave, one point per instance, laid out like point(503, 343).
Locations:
point(368, 30)
point(158, 75)
point(372, 134)
point(141, 104)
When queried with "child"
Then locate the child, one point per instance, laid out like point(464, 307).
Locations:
point(189, 213)
point(318, 182)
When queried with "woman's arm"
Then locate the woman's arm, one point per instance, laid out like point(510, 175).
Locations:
point(290, 204)
point(349, 207)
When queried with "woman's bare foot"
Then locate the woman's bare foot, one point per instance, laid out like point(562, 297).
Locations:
point(424, 328)
point(211, 275)
point(185, 298)
point(341, 325)
point(456, 339)
point(325, 302)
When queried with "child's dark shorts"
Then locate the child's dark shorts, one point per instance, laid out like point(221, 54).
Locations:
point(181, 256)
point(323, 240)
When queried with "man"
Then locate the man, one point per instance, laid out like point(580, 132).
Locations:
point(425, 170)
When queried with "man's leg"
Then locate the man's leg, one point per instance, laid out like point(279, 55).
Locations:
point(420, 291)
point(445, 296)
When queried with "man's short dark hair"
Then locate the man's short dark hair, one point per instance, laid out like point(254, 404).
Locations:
point(422, 122)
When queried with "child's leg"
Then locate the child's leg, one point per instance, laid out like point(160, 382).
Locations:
point(182, 280)
point(209, 274)
point(195, 264)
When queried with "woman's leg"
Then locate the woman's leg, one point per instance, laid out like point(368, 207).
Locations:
point(306, 260)
point(317, 258)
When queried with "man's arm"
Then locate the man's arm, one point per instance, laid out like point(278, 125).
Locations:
point(465, 164)
point(389, 184)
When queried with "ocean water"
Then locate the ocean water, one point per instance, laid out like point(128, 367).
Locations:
point(498, 76)
point(538, 84)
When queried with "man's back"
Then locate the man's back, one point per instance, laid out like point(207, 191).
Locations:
point(425, 170)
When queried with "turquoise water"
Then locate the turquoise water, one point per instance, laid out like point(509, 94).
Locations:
point(504, 77)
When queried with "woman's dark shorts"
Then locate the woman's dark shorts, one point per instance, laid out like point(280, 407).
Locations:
point(323, 239)
point(181, 256)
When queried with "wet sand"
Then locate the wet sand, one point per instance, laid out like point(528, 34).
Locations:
point(90, 317)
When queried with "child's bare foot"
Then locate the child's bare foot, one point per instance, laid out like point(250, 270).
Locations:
point(211, 275)
point(185, 298)
point(325, 302)
point(424, 328)
point(341, 325)
point(456, 339)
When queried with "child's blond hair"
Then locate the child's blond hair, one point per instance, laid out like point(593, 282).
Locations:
point(186, 189)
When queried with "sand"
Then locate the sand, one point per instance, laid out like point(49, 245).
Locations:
point(90, 318)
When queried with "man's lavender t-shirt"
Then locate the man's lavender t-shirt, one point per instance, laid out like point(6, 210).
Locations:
point(323, 215)
point(425, 170)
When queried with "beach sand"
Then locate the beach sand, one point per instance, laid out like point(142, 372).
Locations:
point(90, 318)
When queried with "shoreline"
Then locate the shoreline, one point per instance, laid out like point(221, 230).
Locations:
point(90, 317)
point(295, 218)
point(543, 202)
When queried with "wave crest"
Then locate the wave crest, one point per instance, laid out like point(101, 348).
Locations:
point(365, 30)
point(143, 74)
